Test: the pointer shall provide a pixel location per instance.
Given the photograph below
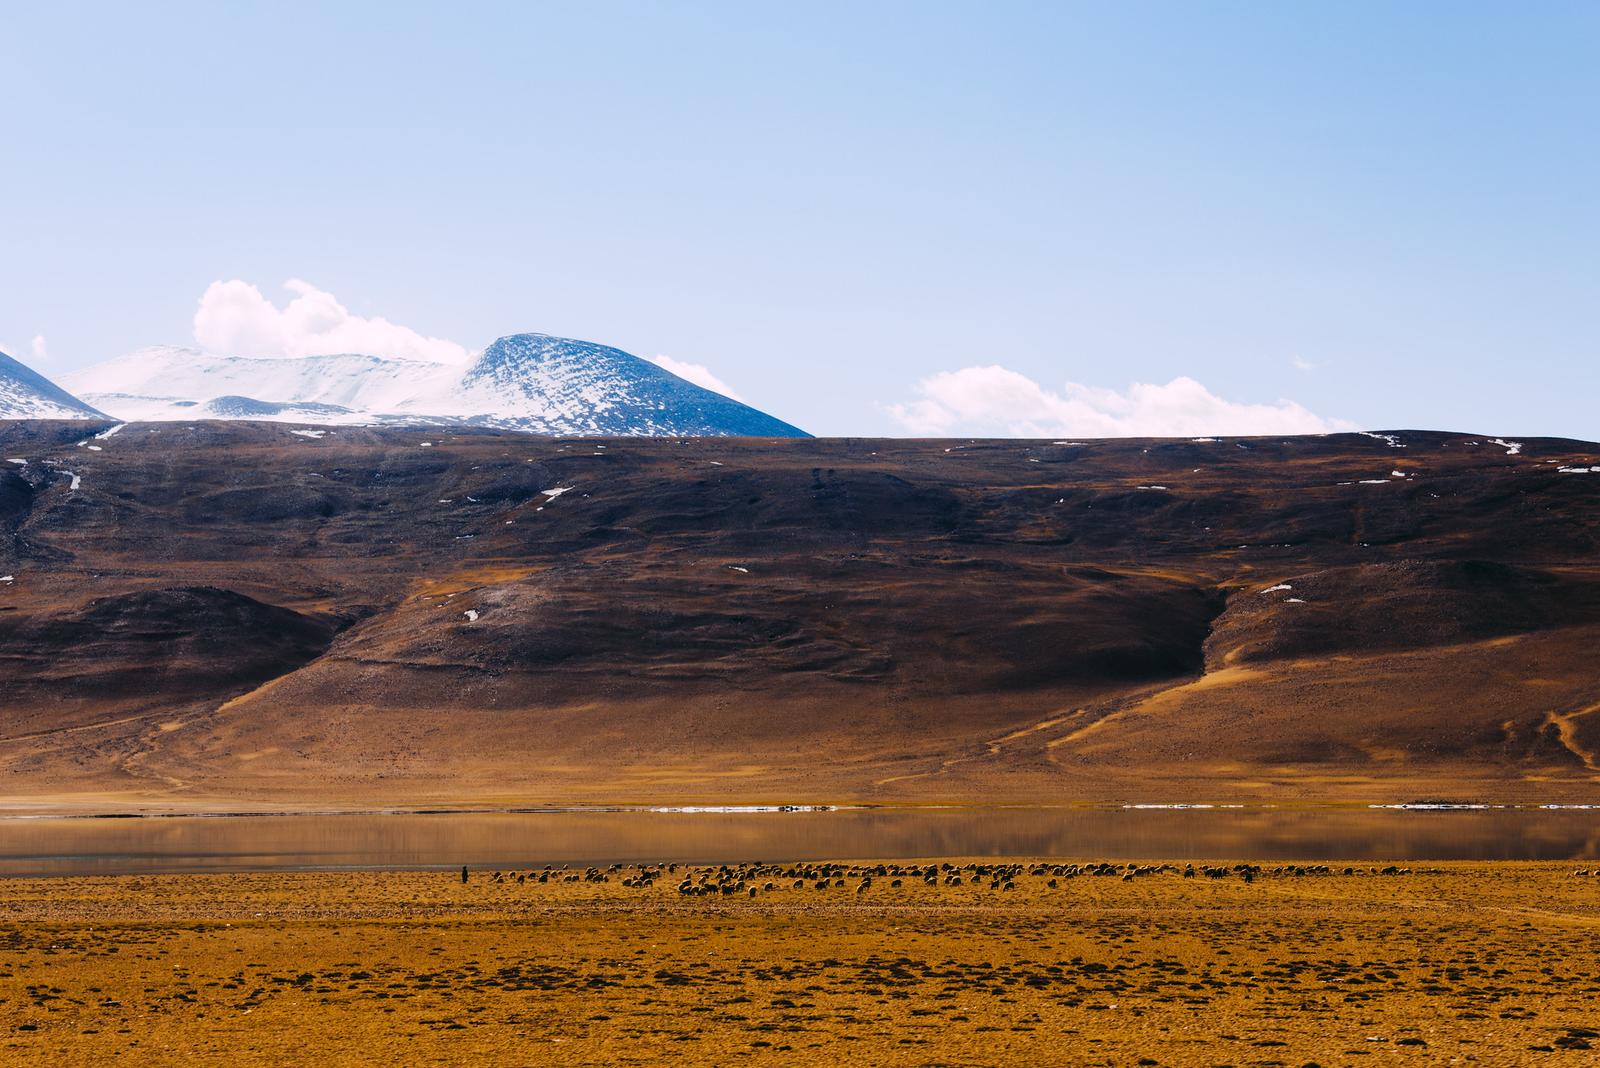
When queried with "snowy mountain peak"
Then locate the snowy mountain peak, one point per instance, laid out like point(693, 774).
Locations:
point(529, 382)
point(26, 394)
point(565, 386)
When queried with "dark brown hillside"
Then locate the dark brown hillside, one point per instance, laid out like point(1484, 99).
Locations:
point(1411, 604)
point(156, 647)
point(235, 614)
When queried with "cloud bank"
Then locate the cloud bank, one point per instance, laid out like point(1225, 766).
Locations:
point(234, 319)
point(994, 401)
point(698, 373)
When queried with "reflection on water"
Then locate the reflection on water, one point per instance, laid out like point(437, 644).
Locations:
point(106, 846)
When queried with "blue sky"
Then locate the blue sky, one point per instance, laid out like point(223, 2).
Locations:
point(865, 218)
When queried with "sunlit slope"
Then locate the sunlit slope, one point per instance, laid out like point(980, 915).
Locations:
point(231, 613)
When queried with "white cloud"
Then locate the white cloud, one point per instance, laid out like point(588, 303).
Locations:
point(1302, 364)
point(38, 351)
point(996, 402)
point(697, 373)
point(234, 319)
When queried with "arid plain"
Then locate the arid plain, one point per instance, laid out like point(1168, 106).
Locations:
point(961, 963)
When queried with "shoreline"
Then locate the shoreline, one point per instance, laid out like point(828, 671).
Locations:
point(49, 846)
point(797, 808)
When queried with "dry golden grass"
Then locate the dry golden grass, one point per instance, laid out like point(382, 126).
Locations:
point(1494, 964)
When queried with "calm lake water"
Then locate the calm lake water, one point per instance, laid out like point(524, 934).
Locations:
point(31, 846)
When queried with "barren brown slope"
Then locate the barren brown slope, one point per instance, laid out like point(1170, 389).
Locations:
point(234, 614)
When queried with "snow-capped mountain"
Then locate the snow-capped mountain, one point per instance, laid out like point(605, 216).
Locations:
point(26, 394)
point(529, 382)
point(168, 382)
point(555, 385)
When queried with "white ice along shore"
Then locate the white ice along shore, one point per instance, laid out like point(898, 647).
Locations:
point(529, 382)
point(743, 809)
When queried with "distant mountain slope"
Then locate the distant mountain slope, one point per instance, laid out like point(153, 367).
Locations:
point(236, 614)
point(528, 382)
point(26, 394)
point(170, 382)
point(554, 385)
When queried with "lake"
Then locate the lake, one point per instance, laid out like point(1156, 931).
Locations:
point(62, 846)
